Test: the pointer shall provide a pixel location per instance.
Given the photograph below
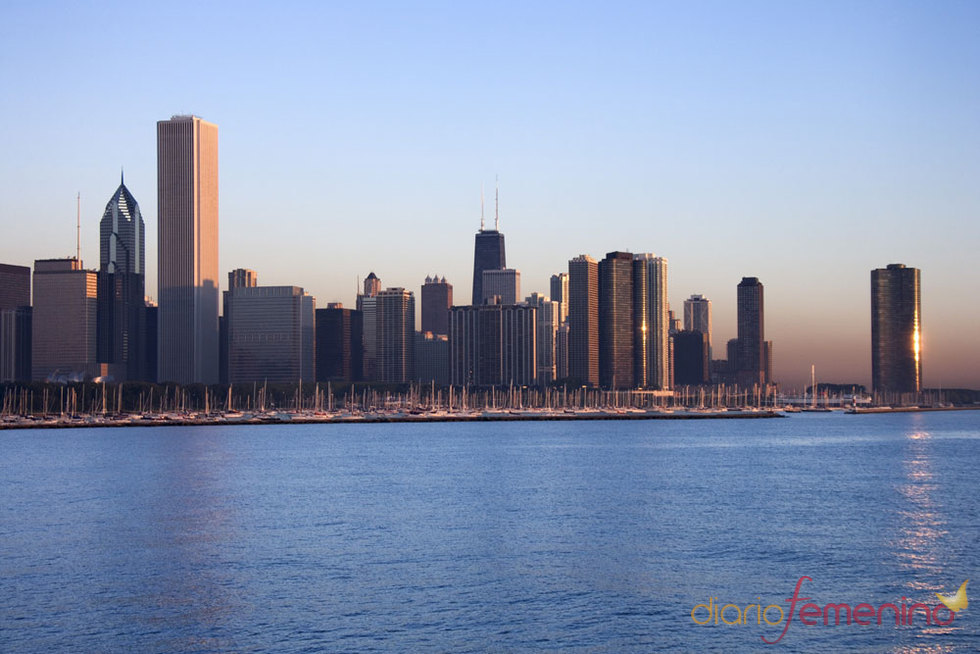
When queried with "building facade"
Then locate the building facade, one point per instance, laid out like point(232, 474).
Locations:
point(697, 316)
point(437, 297)
point(652, 369)
point(64, 338)
point(395, 331)
point(896, 329)
point(546, 325)
point(616, 321)
point(270, 335)
point(187, 235)
point(488, 254)
point(493, 345)
point(691, 361)
point(339, 349)
point(559, 294)
point(751, 365)
point(583, 320)
point(504, 283)
point(15, 323)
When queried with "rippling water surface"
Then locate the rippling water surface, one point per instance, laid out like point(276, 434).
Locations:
point(573, 536)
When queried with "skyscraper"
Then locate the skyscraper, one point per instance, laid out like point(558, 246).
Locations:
point(64, 320)
point(583, 320)
point(367, 304)
point(437, 297)
point(504, 283)
point(493, 345)
point(896, 330)
point(697, 316)
point(651, 322)
point(559, 294)
point(395, 335)
point(121, 287)
point(691, 364)
point(15, 323)
point(546, 325)
point(339, 350)
point(237, 278)
point(187, 206)
point(488, 254)
point(751, 364)
point(616, 321)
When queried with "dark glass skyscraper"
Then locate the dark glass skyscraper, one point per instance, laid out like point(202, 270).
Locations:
point(616, 321)
point(896, 355)
point(338, 344)
point(751, 365)
point(437, 297)
point(583, 320)
point(15, 323)
point(488, 254)
point(121, 287)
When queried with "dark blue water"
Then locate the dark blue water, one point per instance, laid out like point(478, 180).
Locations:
point(586, 536)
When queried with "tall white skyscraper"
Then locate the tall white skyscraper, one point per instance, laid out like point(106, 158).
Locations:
point(187, 234)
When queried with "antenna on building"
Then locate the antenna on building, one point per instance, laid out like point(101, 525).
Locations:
point(122, 178)
point(78, 229)
point(496, 204)
point(481, 206)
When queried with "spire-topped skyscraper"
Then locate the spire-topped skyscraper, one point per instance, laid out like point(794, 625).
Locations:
point(121, 320)
point(488, 251)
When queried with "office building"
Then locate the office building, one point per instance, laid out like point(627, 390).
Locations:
point(64, 340)
point(751, 366)
point(339, 348)
point(238, 278)
point(151, 312)
point(395, 333)
point(896, 330)
point(121, 314)
point(616, 321)
point(437, 297)
point(488, 254)
point(504, 283)
point(559, 294)
point(583, 320)
point(561, 351)
point(15, 323)
point(271, 334)
point(697, 316)
point(187, 234)
point(367, 304)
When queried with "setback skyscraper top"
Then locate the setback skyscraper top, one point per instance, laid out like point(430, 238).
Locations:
point(122, 234)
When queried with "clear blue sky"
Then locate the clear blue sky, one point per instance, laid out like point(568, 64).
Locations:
point(803, 143)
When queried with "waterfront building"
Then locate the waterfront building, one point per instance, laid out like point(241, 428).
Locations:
point(546, 325)
point(15, 323)
point(238, 278)
point(616, 321)
point(504, 283)
point(437, 297)
point(270, 334)
point(64, 339)
point(493, 345)
point(559, 294)
point(339, 348)
point(395, 333)
point(561, 351)
point(367, 304)
point(187, 235)
point(896, 329)
point(652, 363)
point(583, 320)
point(751, 366)
point(121, 312)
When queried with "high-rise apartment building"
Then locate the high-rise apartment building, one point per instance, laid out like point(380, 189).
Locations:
point(187, 235)
point(504, 283)
point(546, 326)
point(437, 297)
point(493, 345)
point(651, 323)
point(270, 334)
point(395, 333)
point(121, 321)
point(559, 294)
point(583, 320)
point(751, 365)
point(367, 304)
point(691, 363)
point(64, 320)
point(616, 321)
point(896, 329)
point(15, 323)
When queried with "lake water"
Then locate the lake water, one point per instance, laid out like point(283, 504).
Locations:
point(533, 536)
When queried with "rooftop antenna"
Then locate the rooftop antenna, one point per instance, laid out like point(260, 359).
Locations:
point(78, 229)
point(481, 206)
point(122, 178)
point(496, 204)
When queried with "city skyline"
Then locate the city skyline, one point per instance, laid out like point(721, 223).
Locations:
point(852, 146)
